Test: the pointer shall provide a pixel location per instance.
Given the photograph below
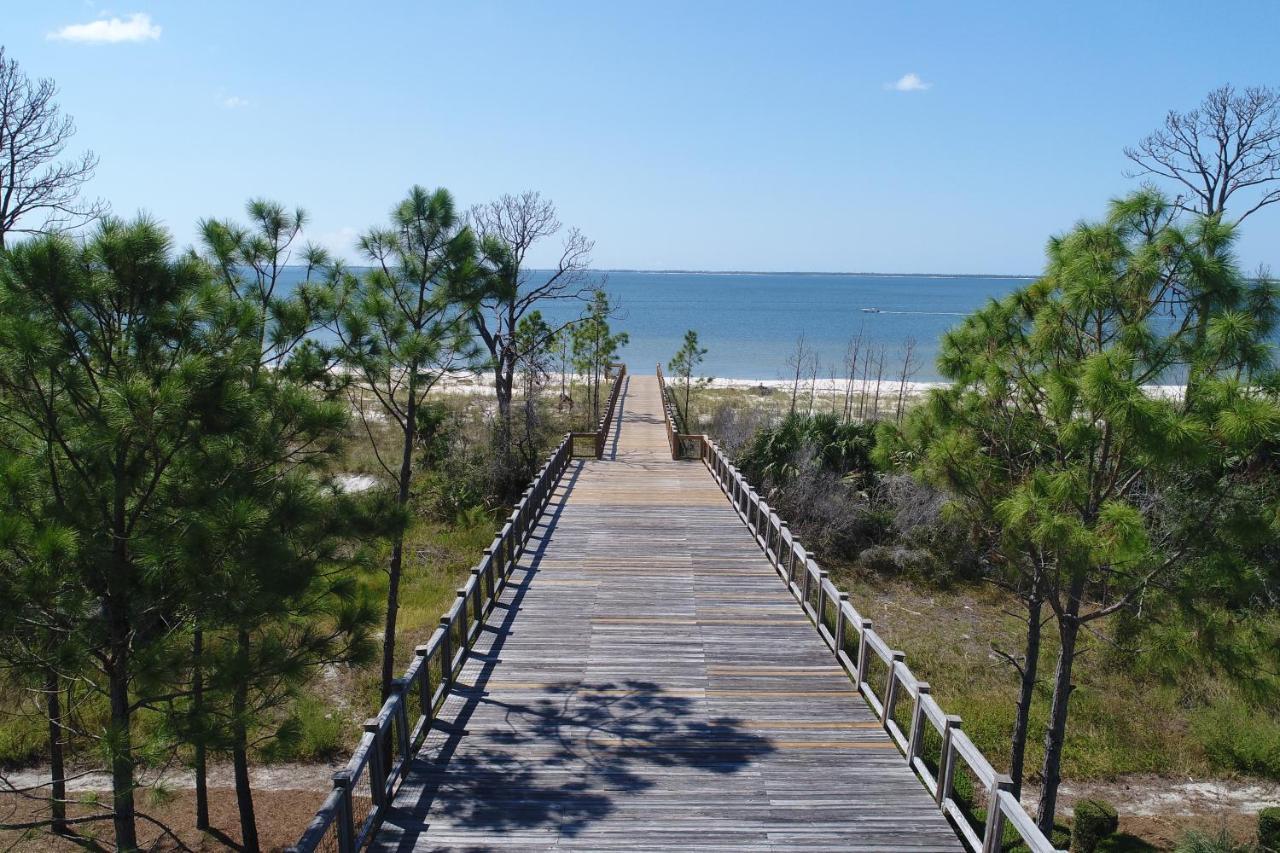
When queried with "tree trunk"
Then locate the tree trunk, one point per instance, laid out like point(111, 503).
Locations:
point(503, 383)
point(1054, 738)
point(397, 546)
point(1026, 693)
point(57, 764)
point(240, 748)
point(197, 711)
point(121, 739)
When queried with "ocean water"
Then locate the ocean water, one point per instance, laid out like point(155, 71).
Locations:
point(749, 322)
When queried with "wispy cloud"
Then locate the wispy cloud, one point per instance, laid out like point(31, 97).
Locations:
point(340, 242)
point(137, 27)
point(233, 102)
point(909, 82)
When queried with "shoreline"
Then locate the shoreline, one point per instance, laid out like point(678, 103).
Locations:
point(482, 383)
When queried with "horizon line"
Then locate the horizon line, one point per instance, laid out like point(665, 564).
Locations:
point(785, 272)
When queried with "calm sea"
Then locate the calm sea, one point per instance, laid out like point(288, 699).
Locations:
point(749, 322)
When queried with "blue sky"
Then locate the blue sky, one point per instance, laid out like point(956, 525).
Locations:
point(705, 135)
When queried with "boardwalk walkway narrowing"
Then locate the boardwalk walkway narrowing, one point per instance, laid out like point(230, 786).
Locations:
point(646, 682)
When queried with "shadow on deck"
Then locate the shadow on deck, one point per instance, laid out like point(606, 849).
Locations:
point(599, 741)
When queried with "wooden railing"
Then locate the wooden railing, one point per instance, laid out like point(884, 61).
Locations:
point(600, 437)
point(363, 790)
point(681, 444)
point(934, 744)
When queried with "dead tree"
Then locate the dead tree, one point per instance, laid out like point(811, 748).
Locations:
point(38, 192)
point(798, 364)
point(1228, 144)
point(508, 228)
point(909, 368)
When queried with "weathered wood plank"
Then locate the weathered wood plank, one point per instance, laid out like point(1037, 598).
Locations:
point(647, 682)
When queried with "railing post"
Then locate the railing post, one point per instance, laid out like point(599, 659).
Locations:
point(345, 818)
point(402, 723)
point(465, 633)
point(446, 652)
point(863, 627)
point(891, 688)
point(822, 598)
point(477, 603)
point(424, 684)
point(918, 721)
point(377, 768)
point(491, 580)
point(839, 634)
point(783, 530)
point(994, 830)
point(947, 762)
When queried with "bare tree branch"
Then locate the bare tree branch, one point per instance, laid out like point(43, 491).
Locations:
point(38, 192)
point(1229, 144)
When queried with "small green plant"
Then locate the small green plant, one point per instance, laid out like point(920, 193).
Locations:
point(1094, 821)
point(1219, 842)
point(1269, 829)
point(161, 794)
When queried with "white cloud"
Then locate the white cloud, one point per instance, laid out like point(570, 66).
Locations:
point(910, 82)
point(233, 102)
point(137, 27)
point(340, 242)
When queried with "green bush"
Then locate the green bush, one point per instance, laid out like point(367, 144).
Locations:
point(1269, 829)
point(1094, 820)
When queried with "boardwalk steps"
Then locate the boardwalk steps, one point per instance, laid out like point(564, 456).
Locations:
point(638, 678)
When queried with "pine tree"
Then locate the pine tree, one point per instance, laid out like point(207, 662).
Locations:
point(1051, 443)
point(401, 329)
point(682, 367)
point(118, 366)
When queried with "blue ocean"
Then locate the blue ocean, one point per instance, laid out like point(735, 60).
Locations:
point(749, 322)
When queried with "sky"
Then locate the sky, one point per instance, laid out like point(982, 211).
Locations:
point(847, 136)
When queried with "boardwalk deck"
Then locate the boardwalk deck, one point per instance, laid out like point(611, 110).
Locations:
point(646, 682)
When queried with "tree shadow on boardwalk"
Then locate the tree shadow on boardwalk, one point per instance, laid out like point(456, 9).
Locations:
point(553, 765)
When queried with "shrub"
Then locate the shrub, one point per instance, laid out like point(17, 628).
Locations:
point(1094, 820)
point(1269, 829)
point(1222, 842)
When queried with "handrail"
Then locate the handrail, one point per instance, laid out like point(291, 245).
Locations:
point(382, 758)
point(600, 438)
point(675, 439)
point(857, 648)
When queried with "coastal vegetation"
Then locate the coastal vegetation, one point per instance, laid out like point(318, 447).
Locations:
point(230, 506)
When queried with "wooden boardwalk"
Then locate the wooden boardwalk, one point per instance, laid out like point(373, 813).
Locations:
point(646, 682)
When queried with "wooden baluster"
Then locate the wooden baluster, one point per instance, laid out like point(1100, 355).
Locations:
point(345, 818)
point(862, 652)
point(822, 599)
point(993, 832)
point(839, 633)
point(918, 720)
point(377, 764)
point(947, 762)
point(446, 652)
point(401, 715)
point(424, 684)
point(490, 575)
point(891, 688)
